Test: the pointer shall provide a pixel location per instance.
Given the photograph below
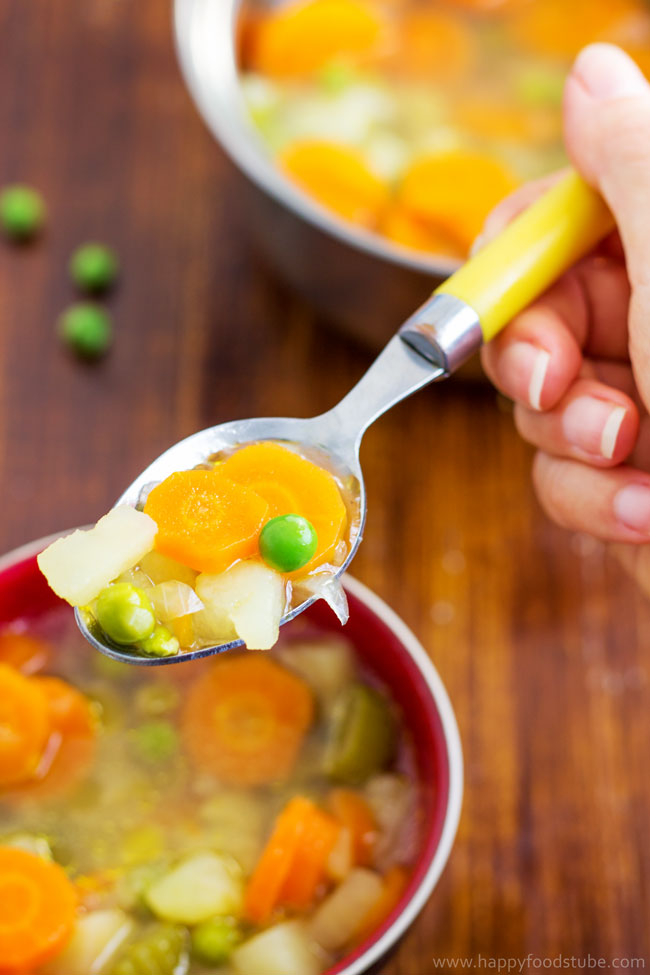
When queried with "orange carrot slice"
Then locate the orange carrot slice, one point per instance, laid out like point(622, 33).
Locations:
point(353, 812)
point(25, 652)
point(309, 867)
point(24, 726)
point(245, 719)
point(455, 189)
point(395, 881)
point(314, 490)
point(71, 745)
point(434, 45)
point(421, 235)
point(338, 177)
point(297, 39)
point(37, 910)
point(204, 520)
point(278, 497)
point(272, 869)
point(557, 28)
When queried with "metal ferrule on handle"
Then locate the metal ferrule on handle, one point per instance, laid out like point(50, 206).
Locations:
point(476, 302)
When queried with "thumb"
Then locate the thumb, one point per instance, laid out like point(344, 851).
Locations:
point(607, 133)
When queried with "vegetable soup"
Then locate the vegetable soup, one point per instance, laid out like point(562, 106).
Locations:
point(251, 814)
point(413, 118)
point(211, 555)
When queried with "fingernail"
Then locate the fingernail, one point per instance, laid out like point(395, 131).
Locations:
point(524, 365)
point(592, 425)
point(606, 71)
point(632, 507)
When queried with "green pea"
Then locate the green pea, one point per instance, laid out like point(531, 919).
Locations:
point(93, 267)
point(125, 613)
point(22, 211)
point(288, 542)
point(160, 643)
point(87, 329)
point(156, 741)
point(213, 941)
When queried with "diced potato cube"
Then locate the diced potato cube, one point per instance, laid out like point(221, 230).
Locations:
point(326, 665)
point(340, 916)
point(96, 940)
point(250, 596)
point(281, 950)
point(80, 565)
point(200, 887)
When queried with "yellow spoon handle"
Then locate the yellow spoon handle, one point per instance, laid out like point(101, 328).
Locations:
point(533, 251)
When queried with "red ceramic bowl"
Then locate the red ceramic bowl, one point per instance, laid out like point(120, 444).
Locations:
point(385, 646)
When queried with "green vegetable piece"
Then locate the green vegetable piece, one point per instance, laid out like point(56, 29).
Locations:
point(156, 741)
point(87, 329)
point(540, 86)
point(335, 76)
point(93, 267)
point(288, 542)
point(363, 735)
point(157, 698)
point(22, 212)
point(29, 842)
point(162, 950)
point(161, 643)
point(215, 940)
point(125, 613)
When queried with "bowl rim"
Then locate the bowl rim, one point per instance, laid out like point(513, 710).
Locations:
point(203, 32)
point(450, 733)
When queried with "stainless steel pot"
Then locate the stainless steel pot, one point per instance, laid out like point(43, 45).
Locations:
point(357, 279)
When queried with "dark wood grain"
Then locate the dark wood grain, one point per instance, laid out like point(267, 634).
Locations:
point(542, 643)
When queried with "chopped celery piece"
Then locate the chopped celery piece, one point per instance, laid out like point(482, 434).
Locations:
point(284, 949)
point(336, 76)
point(204, 885)
point(214, 941)
point(155, 699)
point(162, 950)
point(362, 736)
point(96, 941)
point(156, 741)
point(539, 85)
point(30, 843)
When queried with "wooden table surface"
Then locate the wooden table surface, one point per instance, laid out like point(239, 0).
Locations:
point(540, 640)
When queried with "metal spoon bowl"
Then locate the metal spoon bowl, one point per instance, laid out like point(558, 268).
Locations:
point(332, 440)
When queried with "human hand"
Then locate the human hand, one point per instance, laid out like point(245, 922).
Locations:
point(577, 362)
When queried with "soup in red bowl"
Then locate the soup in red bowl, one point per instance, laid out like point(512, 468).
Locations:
point(281, 813)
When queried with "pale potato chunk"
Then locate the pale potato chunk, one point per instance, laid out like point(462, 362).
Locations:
point(200, 887)
point(281, 950)
point(80, 565)
point(339, 917)
point(327, 665)
point(96, 940)
point(249, 596)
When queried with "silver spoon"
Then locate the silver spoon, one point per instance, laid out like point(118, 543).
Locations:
point(470, 307)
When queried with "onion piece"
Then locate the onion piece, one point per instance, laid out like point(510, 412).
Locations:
point(327, 586)
point(172, 599)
